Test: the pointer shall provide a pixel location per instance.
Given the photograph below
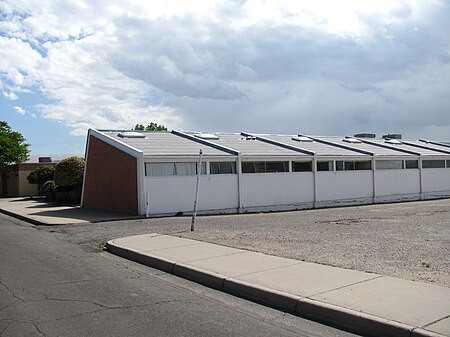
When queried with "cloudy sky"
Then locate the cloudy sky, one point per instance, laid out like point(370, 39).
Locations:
point(321, 67)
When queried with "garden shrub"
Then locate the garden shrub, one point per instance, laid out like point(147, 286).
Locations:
point(41, 175)
point(69, 179)
point(69, 172)
point(48, 189)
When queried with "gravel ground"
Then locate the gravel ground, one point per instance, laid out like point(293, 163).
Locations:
point(404, 240)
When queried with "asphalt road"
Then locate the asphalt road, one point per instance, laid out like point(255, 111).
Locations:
point(50, 286)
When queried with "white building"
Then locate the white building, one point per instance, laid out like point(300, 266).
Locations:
point(154, 173)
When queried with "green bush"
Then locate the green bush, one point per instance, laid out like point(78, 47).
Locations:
point(48, 189)
point(41, 175)
point(69, 172)
point(69, 179)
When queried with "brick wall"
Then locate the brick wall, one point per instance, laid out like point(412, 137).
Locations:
point(110, 179)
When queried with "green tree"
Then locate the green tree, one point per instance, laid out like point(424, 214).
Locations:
point(13, 147)
point(151, 127)
point(68, 180)
point(41, 175)
point(69, 172)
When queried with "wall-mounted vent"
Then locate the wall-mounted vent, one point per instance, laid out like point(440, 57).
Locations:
point(130, 134)
point(351, 140)
point(207, 136)
point(393, 141)
point(302, 139)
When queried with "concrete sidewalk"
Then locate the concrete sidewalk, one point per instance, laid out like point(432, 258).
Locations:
point(39, 212)
point(365, 303)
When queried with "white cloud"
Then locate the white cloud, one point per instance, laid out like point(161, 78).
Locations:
point(320, 66)
point(18, 61)
point(10, 95)
point(20, 110)
point(91, 93)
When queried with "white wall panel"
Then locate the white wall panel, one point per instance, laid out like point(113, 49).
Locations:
point(274, 191)
point(436, 179)
point(344, 185)
point(397, 182)
point(267, 189)
point(175, 194)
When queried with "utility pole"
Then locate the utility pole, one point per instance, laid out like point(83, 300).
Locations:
point(199, 171)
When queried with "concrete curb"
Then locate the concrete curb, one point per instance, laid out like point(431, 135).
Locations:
point(206, 278)
point(24, 218)
point(33, 221)
point(424, 333)
point(351, 320)
point(343, 318)
point(265, 296)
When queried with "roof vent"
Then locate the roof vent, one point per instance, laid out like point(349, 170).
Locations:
point(393, 141)
point(45, 159)
point(302, 139)
point(130, 134)
point(365, 135)
point(351, 140)
point(208, 136)
point(392, 136)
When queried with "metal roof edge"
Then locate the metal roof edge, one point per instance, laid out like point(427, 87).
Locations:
point(338, 145)
point(206, 142)
point(280, 144)
point(389, 147)
point(434, 143)
point(427, 148)
point(132, 151)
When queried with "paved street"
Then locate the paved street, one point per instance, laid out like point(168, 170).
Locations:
point(52, 287)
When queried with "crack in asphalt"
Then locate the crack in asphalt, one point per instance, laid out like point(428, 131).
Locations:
point(101, 307)
point(13, 320)
point(74, 315)
point(6, 328)
point(39, 330)
point(146, 304)
point(2, 283)
point(114, 307)
point(10, 305)
point(94, 280)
